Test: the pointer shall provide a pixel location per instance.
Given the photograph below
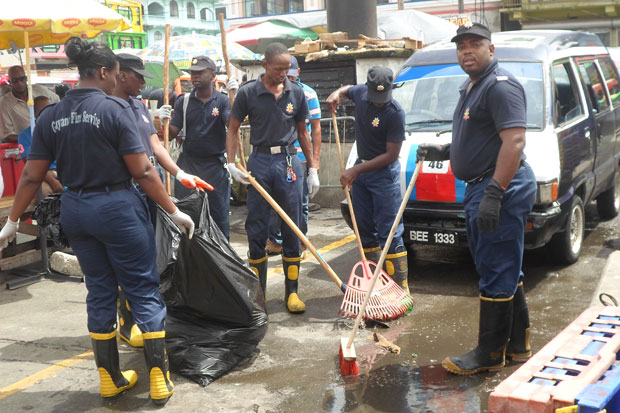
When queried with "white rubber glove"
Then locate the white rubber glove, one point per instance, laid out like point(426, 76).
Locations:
point(184, 222)
point(232, 85)
point(237, 174)
point(192, 181)
point(165, 112)
point(8, 232)
point(313, 182)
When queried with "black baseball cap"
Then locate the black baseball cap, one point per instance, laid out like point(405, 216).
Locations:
point(130, 62)
point(379, 82)
point(476, 29)
point(294, 69)
point(200, 63)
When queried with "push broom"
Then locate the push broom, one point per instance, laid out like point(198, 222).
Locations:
point(378, 296)
point(398, 301)
point(346, 355)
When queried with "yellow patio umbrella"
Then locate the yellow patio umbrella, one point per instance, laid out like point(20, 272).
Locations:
point(40, 22)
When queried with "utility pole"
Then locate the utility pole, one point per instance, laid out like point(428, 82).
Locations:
point(401, 4)
point(461, 6)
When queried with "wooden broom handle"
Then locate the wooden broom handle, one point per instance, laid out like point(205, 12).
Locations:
point(390, 237)
point(347, 190)
point(166, 123)
point(294, 227)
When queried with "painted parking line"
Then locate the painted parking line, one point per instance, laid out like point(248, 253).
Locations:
point(44, 374)
point(52, 370)
point(308, 254)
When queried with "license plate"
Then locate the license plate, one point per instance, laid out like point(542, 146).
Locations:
point(433, 236)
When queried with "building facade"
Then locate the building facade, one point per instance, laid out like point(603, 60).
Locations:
point(184, 16)
point(599, 17)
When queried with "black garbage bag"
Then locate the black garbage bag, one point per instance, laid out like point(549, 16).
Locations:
point(47, 215)
point(216, 310)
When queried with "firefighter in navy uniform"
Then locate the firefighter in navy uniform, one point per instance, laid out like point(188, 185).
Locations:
point(277, 110)
point(97, 148)
point(205, 138)
point(375, 177)
point(129, 83)
point(488, 137)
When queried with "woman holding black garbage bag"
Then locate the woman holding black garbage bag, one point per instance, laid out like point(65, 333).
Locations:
point(94, 139)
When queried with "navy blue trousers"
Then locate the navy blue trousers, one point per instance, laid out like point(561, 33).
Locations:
point(113, 238)
point(270, 172)
point(213, 171)
point(376, 197)
point(498, 255)
point(276, 223)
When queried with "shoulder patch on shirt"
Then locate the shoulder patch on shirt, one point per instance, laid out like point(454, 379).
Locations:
point(501, 78)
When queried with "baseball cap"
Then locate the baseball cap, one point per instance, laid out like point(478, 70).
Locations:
point(4, 80)
point(294, 70)
point(379, 82)
point(476, 29)
point(200, 63)
point(130, 62)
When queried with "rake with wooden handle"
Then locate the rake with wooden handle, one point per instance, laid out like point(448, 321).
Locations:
point(398, 301)
point(348, 365)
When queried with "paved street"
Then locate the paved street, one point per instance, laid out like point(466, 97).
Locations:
point(47, 365)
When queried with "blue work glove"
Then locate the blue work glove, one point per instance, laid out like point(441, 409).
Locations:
point(488, 211)
point(433, 152)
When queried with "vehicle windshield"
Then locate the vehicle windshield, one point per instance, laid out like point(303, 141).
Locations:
point(429, 94)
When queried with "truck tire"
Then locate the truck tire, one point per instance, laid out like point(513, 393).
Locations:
point(565, 246)
point(608, 203)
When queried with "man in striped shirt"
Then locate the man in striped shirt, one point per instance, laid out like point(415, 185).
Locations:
point(274, 242)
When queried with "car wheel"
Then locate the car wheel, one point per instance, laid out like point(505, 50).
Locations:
point(566, 245)
point(608, 203)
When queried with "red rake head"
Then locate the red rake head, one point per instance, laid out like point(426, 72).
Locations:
point(387, 300)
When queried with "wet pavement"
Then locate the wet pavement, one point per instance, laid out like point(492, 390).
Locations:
point(296, 366)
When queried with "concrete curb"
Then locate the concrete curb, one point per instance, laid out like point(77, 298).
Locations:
point(610, 280)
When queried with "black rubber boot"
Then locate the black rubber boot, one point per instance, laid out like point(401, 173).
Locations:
point(291, 275)
point(519, 348)
point(127, 328)
point(112, 381)
point(157, 366)
point(259, 267)
point(490, 355)
point(396, 267)
point(373, 254)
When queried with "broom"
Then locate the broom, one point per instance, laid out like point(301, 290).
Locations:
point(394, 300)
point(381, 299)
point(346, 354)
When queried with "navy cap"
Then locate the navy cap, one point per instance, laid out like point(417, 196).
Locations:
point(200, 63)
point(294, 69)
point(475, 29)
point(379, 82)
point(128, 61)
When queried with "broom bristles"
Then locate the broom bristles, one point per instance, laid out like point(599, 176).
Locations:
point(347, 367)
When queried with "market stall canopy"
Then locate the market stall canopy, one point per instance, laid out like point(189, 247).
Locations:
point(258, 36)
point(391, 24)
point(184, 48)
point(53, 22)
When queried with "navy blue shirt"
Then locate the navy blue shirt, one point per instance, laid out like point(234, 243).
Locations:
point(274, 122)
point(144, 122)
point(87, 133)
point(375, 126)
point(495, 102)
point(206, 124)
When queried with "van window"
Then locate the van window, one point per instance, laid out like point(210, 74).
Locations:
point(567, 105)
point(594, 85)
point(610, 74)
point(429, 94)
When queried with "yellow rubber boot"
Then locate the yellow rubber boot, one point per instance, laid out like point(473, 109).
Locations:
point(396, 267)
point(112, 381)
point(128, 330)
point(259, 267)
point(157, 366)
point(291, 275)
